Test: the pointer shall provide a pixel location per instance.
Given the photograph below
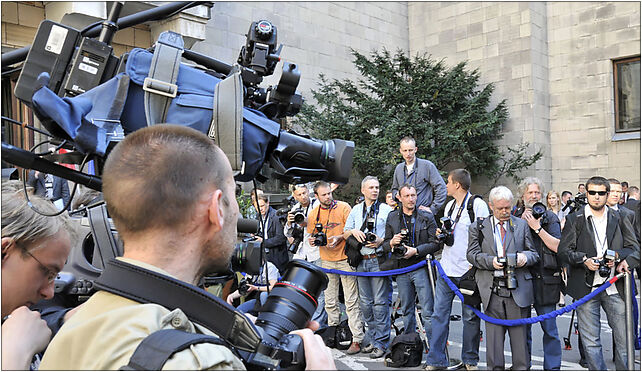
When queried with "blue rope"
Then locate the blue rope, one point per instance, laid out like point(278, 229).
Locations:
point(403, 270)
point(518, 322)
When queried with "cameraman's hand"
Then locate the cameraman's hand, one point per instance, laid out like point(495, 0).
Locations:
point(24, 334)
point(623, 267)
point(410, 251)
point(290, 240)
point(521, 258)
point(438, 232)
point(317, 355)
point(334, 240)
point(376, 243)
point(258, 239)
point(290, 218)
point(496, 264)
point(233, 296)
point(424, 208)
point(396, 239)
point(533, 223)
point(311, 240)
point(590, 263)
point(358, 234)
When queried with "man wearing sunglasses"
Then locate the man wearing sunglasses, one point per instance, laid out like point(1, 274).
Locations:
point(590, 236)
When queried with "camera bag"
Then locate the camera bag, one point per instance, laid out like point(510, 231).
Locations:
point(406, 350)
point(343, 336)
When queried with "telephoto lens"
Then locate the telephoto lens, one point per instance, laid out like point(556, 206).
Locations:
point(539, 210)
point(292, 301)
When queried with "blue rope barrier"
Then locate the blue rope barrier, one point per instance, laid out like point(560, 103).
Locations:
point(524, 321)
point(403, 270)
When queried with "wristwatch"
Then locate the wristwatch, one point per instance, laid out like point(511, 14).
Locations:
point(537, 230)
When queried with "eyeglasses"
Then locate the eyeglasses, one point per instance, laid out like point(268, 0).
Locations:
point(50, 274)
point(600, 193)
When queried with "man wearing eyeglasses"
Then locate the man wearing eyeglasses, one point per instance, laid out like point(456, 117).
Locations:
point(591, 235)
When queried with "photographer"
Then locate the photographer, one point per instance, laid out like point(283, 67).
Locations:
point(34, 250)
point(325, 225)
point(410, 234)
point(547, 277)
point(501, 250)
point(364, 231)
point(273, 240)
point(593, 239)
point(305, 250)
point(170, 192)
point(455, 265)
point(253, 288)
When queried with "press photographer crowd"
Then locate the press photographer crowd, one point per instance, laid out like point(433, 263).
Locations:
point(152, 266)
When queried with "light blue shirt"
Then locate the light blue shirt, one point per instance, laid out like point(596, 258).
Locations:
point(356, 216)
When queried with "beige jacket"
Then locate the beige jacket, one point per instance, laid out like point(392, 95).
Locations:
point(106, 330)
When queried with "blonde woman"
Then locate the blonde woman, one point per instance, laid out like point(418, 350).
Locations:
point(554, 203)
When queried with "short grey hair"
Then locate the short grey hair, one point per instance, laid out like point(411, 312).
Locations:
point(27, 227)
point(523, 186)
point(500, 193)
point(368, 178)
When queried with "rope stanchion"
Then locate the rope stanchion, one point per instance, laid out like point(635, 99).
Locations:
point(524, 321)
point(403, 270)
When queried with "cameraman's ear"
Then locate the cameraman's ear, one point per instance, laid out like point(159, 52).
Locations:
point(216, 215)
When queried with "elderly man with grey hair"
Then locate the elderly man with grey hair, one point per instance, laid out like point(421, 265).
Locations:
point(501, 249)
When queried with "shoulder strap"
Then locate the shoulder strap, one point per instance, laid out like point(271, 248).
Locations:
point(160, 84)
point(471, 204)
point(146, 286)
point(155, 349)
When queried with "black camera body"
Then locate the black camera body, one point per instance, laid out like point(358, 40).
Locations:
point(371, 237)
point(510, 264)
point(320, 238)
point(297, 233)
point(604, 271)
point(576, 203)
point(446, 236)
point(538, 210)
point(244, 287)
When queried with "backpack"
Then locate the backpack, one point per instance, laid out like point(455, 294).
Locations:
point(339, 337)
point(406, 350)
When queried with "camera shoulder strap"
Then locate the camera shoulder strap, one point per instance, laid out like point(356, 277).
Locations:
point(146, 286)
point(160, 84)
point(155, 349)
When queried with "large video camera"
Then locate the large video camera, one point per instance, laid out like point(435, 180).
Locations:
point(65, 62)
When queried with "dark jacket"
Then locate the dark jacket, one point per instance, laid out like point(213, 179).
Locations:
point(60, 187)
point(481, 256)
point(276, 243)
point(629, 217)
point(425, 227)
point(547, 279)
point(578, 241)
point(631, 204)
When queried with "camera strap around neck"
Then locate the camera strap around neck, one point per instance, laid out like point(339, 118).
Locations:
point(413, 222)
point(146, 286)
point(364, 215)
point(461, 209)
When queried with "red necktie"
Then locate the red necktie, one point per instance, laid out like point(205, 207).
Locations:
point(502, 230)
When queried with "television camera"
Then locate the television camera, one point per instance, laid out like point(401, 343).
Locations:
point(575, 203)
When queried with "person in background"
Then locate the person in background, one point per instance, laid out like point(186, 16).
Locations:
point(554, 204)
point(34, 250)
point(272, 237)
point(392, 202)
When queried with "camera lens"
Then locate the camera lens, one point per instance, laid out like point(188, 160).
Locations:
point(292, 301)
point(299, 218)
point(246, 257)
point(539, 210)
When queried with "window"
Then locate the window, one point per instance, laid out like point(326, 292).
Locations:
point(626, 75)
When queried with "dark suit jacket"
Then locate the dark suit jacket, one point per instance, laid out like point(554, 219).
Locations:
point(631, 204)
point(276, 243)
point(573, 247)
point(519, 240)
point(60, 187)
point(425, 228)
point(629, 217)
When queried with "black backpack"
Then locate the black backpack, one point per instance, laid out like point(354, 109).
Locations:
point(339, 337)
point(406, 350)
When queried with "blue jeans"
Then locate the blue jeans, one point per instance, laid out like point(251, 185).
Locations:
point(440, 322)
point(588, 324)
point(375, 306)
point(550, 340)
point(410, 286)
point(248, 306)
point(320, 315)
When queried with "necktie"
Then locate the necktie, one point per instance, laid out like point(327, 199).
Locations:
point(502, 231)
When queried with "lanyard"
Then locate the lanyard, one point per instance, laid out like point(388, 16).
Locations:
point(461, 209)
point(375, 205)
point(332, 205)
point(412, 216)
point(597, 237)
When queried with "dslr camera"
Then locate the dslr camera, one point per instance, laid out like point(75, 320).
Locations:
point(604, 270)
point(370, 227)
point(510, 264)
point(320, 239)
point(244, 287)
point(446, 236)
point(400, 250)
point(578, 202)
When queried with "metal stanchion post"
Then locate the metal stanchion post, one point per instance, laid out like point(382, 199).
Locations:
point(628, 314)
point(453, 364)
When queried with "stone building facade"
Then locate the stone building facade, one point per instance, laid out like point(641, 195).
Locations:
point(551, 61)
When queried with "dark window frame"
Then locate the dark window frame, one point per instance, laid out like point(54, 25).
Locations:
point(617, 62)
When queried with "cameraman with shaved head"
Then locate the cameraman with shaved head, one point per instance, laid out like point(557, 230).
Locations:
point(170, 192)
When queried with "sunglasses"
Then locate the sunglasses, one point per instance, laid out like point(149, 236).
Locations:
point(600, 193)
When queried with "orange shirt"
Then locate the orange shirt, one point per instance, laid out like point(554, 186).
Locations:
point(333, 221)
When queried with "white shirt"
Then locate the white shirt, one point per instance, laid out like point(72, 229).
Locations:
point(453, 258)
point(410, 166)
point(601, 243)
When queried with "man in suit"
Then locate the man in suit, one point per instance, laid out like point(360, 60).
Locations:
point(613, 202)
point(275, 242)
point(409, 249)
point(587, 236)
point(503, 244)
point(49, 186)
point(634, 198)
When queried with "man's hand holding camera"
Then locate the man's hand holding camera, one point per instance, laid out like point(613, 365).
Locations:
point(521, 261)
point(533, 223)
